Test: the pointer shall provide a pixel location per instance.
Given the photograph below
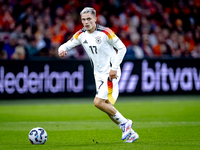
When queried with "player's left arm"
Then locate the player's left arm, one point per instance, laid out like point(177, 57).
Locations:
point(121, 51)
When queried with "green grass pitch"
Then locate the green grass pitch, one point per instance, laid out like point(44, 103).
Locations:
point(162, 122)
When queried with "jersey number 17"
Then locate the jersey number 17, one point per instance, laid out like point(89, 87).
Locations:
point(93, 49)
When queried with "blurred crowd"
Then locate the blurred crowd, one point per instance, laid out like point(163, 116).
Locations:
point(149, 28)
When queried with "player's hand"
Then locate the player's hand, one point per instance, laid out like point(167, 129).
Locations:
point(62, 53)
point(112, 75)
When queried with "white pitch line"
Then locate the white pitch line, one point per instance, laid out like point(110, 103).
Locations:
point(100, 122)
point(86, 125)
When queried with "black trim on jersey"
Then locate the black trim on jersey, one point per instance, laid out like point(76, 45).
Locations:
point(92, 64)
point(110, 64)
point(100, 27)
point(83, 29)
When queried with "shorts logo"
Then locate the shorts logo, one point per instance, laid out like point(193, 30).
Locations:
point(98, 39)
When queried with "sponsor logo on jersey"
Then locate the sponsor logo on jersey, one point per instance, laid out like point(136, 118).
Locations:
point(98, 39)
point(85, 42)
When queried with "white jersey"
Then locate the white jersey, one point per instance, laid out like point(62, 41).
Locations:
point(99, 46)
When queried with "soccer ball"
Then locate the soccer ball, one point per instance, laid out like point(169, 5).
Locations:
point(37, 136)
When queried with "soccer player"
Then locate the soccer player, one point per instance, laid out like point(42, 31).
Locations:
point(106, 52)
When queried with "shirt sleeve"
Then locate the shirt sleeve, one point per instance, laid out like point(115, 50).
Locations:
point(74, 41)
point(119, 45)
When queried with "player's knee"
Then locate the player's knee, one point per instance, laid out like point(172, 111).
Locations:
point(97, 102)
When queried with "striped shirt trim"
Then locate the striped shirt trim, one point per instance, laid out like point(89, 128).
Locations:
point(107, 31)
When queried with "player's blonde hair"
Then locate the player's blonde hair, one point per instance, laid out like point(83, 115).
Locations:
point(87, 10)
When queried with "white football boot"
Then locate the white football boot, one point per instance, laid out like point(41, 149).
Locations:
point(126, 128)
point(133, 136)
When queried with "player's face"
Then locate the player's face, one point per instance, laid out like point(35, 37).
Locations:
point(89, 22)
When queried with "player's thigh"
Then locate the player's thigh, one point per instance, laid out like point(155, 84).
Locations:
point(102, 88)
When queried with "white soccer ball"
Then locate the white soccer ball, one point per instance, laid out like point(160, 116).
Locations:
point(37, 136)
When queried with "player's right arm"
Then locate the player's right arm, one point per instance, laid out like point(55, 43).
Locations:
point(74, 41)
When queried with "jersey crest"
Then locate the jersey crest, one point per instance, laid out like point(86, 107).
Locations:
point(98, 39)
